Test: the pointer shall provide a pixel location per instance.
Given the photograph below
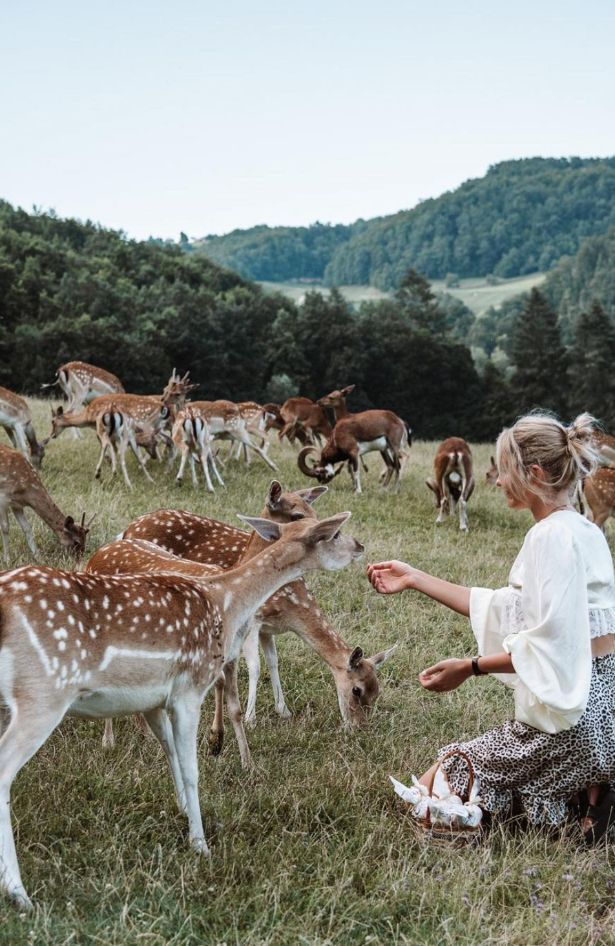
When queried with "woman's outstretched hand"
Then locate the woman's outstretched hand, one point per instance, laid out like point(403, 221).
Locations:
point(390, 577)
point(446, 675)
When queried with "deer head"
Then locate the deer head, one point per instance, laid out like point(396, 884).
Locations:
point(323, 472)
point(73, 536)
point(492, 474)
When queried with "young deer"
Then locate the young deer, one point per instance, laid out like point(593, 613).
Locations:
point(225, 422)
point(94, 646)
point(597, 495)
point(21, 486)
point(16, 419)
point(292, 608)
point(454, 481)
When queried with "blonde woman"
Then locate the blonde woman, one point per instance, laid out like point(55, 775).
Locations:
point(549, 634)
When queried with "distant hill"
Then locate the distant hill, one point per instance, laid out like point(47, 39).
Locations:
point(520, 218)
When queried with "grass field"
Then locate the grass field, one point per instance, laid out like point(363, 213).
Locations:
point(311, 847)
point(475, 293)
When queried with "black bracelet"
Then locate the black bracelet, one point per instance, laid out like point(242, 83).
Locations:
point(476, 669)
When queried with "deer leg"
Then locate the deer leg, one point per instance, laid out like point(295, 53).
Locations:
point(182, 464)
point(11, 436)
point(252, 659)
point(160, 725)
point(248, 443)
point(216, 733)
point(444, 510)
point(140, 460)
point(271, 656)
point(103, 449)
point(353, 466)
point(195, 479)
point(185, 723)
point(27, 531)
point(4, 528)
point(26, 732)
point(122, 452)
point(203, 457)
point(21, 440)
point(108, 739)
point(234, 709)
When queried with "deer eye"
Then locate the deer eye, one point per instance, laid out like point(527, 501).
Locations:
point(357, 691)
point(295, 516)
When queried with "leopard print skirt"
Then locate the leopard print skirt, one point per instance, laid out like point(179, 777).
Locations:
point(519, 766)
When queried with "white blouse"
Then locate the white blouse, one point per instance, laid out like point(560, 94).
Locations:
point(560, 593)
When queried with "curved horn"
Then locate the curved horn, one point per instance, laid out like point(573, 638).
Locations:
point(306, 468)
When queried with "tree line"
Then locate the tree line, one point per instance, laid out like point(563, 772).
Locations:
point(521, 217)
point(71, 290)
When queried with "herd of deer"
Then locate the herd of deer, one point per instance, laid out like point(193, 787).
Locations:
point(160, 616)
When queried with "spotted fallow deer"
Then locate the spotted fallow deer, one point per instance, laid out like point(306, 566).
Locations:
point(16, 419)
point(95, 646)
point(191, 436)
point(116, 431)
point(597, 495)
point(453, 482)
point(293, 608)
point(82, 382)
point(21, 486)
point(225, 422)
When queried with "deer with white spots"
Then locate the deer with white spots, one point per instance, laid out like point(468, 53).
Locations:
point(16, 419)
point(116, 431)
point(21, 486)
point(191, 436)
point(292, 608)
point(95, 646)
point(82, 382)
point(453, 483)
point(225, 422)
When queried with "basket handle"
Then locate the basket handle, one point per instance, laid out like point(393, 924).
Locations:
point(451, 755)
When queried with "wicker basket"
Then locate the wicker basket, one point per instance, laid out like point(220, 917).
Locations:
point(457, 835)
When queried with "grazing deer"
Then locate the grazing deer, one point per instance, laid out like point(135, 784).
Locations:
point(355, 435)
point(95, 646)
point(16, 419)
point(292, 608)
point(21, 486)
point(191, 436)
point(454, 481)
point(491, 476)
point(225, 422)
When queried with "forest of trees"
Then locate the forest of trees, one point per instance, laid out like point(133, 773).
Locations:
point(71, 290)
point(521, 217)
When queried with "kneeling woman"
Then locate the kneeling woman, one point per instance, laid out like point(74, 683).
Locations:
point(550, 635)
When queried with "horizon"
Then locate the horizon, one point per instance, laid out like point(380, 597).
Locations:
point(156, 121)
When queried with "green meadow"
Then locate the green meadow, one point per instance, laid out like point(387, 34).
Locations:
point(311, 847)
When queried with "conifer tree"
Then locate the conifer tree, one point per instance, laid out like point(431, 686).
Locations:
point(592, 361)
point(419, 305)
point(540, 379)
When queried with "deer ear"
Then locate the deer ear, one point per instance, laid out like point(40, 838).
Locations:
point(69, 522)
point(268, 530)
point(492, 461)
point(59, 411)
point(348, 390)
point(327, 529)
point(378, 659)
point(355, 658)
point(274, 494)
point(311, 495)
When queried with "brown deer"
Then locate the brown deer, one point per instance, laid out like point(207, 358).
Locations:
point(453, 482)
point(21, 486)
point(292, 608)
point(97, 646)
point(491, 476)
point(16, 419)
point(352, 437)
point(304, 419)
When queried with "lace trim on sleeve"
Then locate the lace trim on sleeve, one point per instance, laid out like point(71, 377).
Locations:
point(601, 620)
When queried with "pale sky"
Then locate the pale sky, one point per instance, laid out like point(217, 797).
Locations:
point(159, 117)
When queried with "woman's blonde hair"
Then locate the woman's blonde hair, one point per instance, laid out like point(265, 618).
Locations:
point(564, 453)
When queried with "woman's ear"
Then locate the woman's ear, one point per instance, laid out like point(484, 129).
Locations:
point(538, 473)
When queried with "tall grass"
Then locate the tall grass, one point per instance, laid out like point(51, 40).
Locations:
point(311, 847)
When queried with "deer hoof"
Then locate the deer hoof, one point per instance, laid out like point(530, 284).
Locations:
point(199, 846)
point(215, 740)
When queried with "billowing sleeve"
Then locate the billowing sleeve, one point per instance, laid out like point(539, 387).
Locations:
point(488, 619)
point(552, 655)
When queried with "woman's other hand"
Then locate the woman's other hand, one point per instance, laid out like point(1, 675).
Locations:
point(446, 675)
point(390, 577)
